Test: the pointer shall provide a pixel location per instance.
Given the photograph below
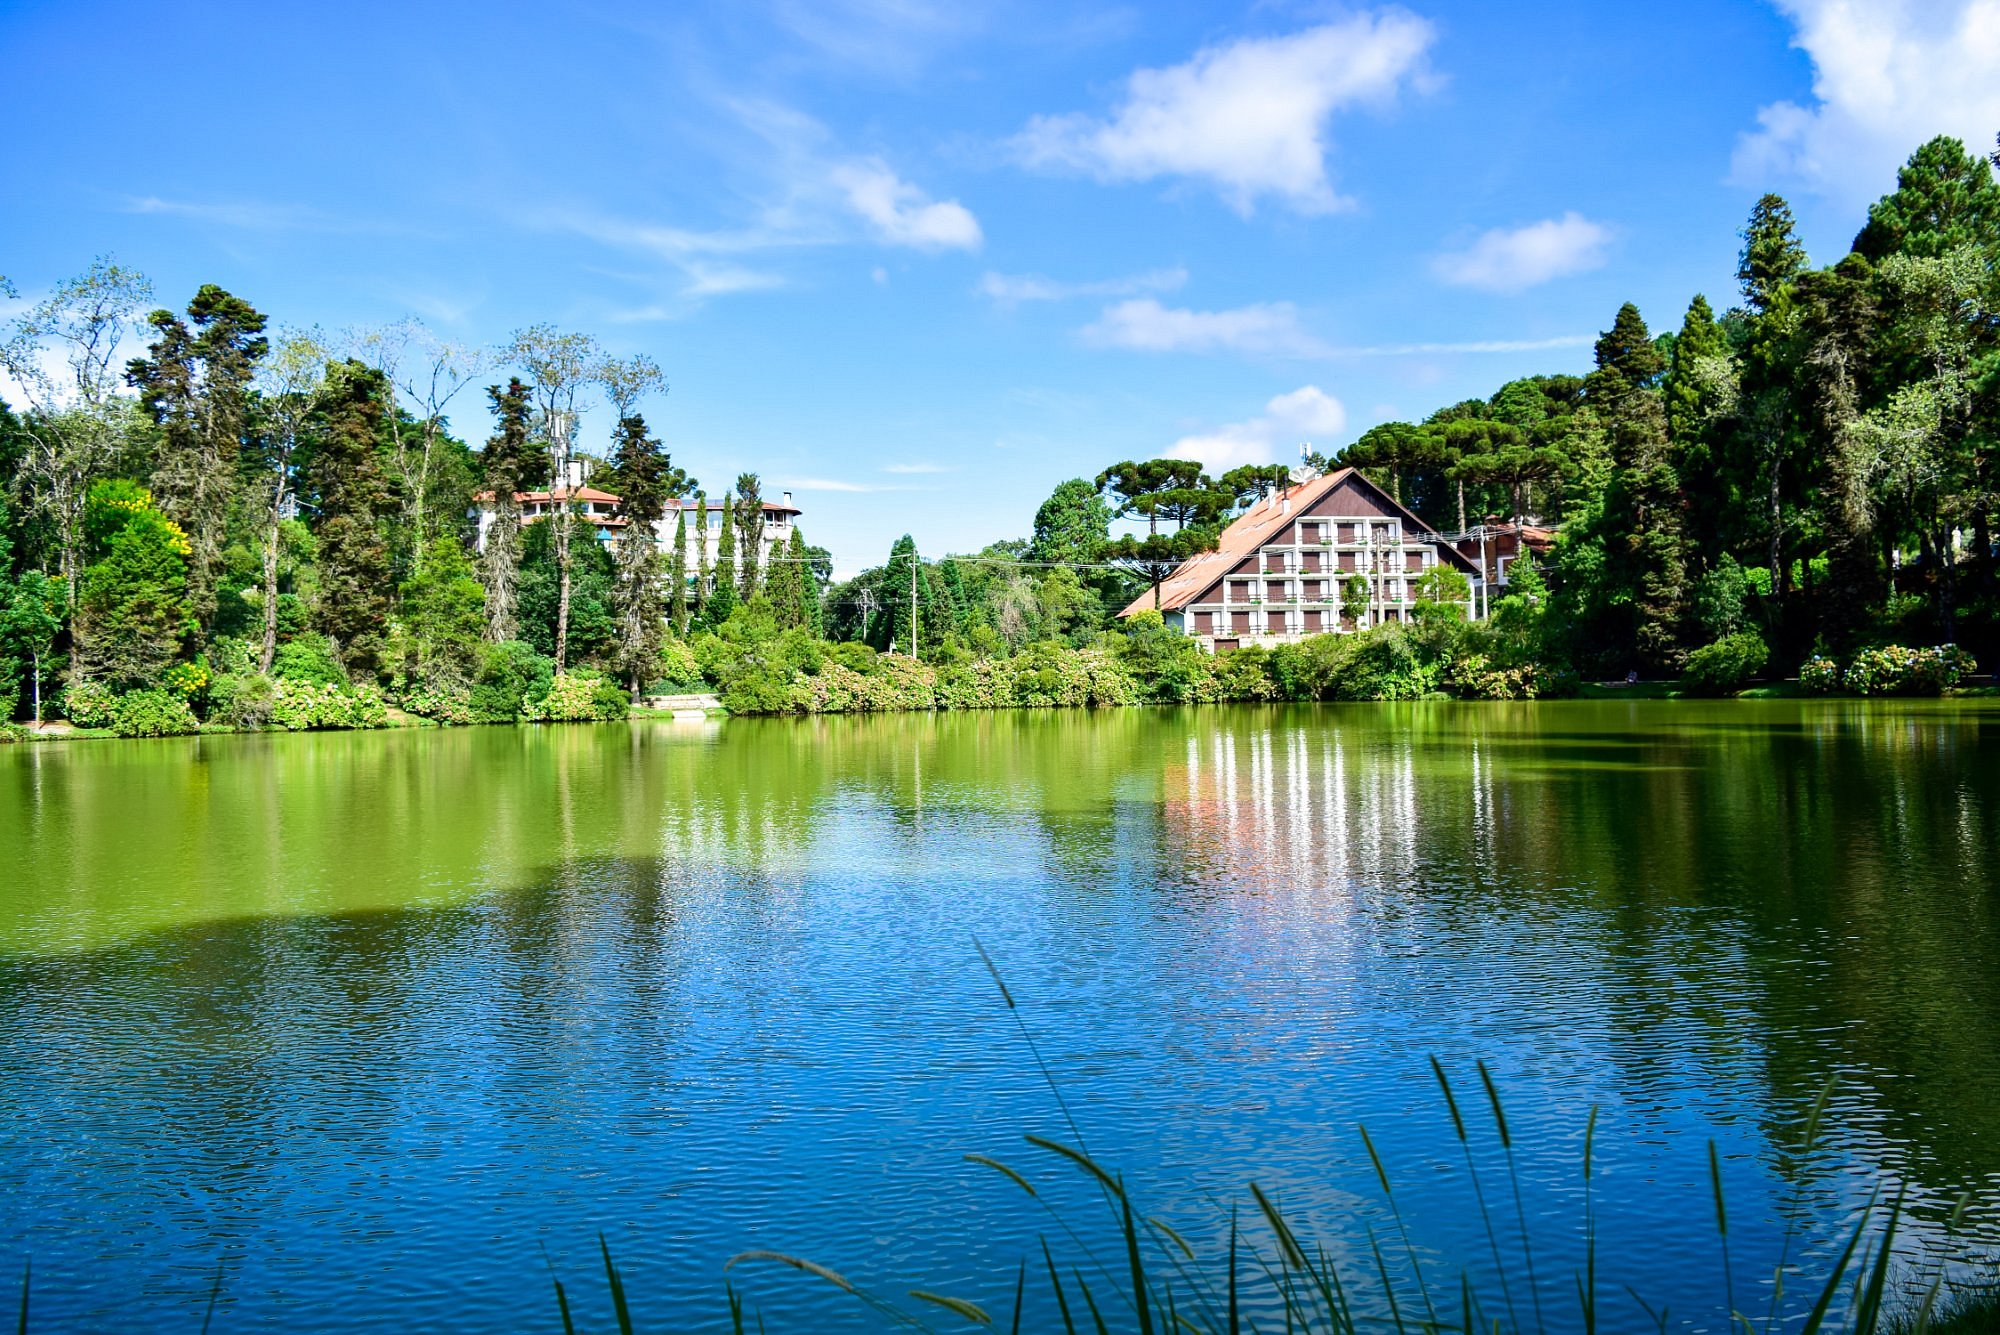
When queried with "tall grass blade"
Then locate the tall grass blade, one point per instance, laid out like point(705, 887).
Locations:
point(562, 1297)
point(796, 1263)
point(1020, 1292)
point(735, 1309)
point(1055, 1282)
point(1096, 1317)
point(1396, 1210)
point(1722, 1226)
point(1288, 1246)
point(618, 1303)
point(1082, 1160)
point(970, 1311)
point(1388, 1285)
point(27, 1279)
point(1587, 1286)
point(1870, 1315)
point(1813, 1116)
point(1139, 1294)
point(997, 1166)
point(1817, 1316)
point(1514, 1179)
point(1478, 1192)
point(1235, 1321)
point(1034, 1050)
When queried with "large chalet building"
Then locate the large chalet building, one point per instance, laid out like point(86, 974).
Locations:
point(1280, 570)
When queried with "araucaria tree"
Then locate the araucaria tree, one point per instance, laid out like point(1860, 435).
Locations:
point(352, 503)
point(195, 385)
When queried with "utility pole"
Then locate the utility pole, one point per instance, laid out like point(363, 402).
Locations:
point(867, 601)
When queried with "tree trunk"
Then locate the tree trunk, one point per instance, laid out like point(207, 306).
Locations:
point(1461, 505)
point(1779, 576)
point(562, 597)
point(270, 648)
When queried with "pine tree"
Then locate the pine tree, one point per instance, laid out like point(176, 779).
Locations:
point(353, 505)
point(903, 593)
point(1771, 262)
point(783, 584)
point(1699, 394)
point(704, 575)
point(723, 600)
point(1772, 255)
point(509, 463)
point(646, 478)
point(1645, 548)
point(196, 387)
point(749, 515)
point(1945, 198)
point(677, 573)
point(810, 614)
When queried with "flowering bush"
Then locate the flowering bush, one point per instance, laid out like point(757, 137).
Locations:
point(299, 705)
point(189, 679)
point(1819, 675)
point(241, 700)
point(1477, 677)
point(88, 704)
point(152, 714)
point(439, 705)
point(1896, 670)
point(578, 697)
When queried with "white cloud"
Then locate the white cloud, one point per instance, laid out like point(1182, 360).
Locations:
point(1514, 259)
point(915, 468)
point(1268, 330)
point(1010, 289)
point(835, 484)
point(1249, 117)
point(1887, 75)
point(902, 214)
point(1307, 415)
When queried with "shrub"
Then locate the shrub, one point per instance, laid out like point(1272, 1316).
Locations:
point(763, 690)
point(1726, 666)
point(188, 680)
point(152, 714)
point(578, 697)
point(88, 704)
point(299, 705)
point(242, 700)
point(678, 669)
point(1819, 675)
point(1477, 677)
point(510, 675)
point(438, 704)
point(1896, 670)
point(308, 659)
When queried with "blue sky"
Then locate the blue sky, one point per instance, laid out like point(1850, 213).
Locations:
point(919, 260)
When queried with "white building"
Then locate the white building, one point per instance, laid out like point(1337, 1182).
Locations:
point(599, 511)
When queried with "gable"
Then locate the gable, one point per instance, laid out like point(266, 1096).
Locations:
point(1353, 495)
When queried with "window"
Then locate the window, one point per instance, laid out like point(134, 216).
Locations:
point(1240, 621)
point(1204, 623)
point(1276, 622)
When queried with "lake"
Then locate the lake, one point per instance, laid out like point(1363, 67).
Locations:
point(373, 1023)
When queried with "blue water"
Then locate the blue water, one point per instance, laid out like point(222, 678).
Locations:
point(371, 1025)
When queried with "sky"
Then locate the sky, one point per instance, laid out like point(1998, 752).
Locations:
point(917, 261)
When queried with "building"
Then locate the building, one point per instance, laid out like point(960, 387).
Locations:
point(1495, 545)
point(1280, 571)
point(598, 511)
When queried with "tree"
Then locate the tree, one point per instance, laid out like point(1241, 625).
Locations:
point(703, 576)
point(291, 389)
point(1945, 197)
point(510, 464)
point(443, 612)
point(902, 592)
point(646, 479)
point(33, 610)
point(430, 372)
point(1389, 451)
point(1356, 596)
point(1156, 489)
point(195, 386)
point(1771, 261)
point(1072, 525)
point(352, 504)
point(76, 419)
point(132, 616)
point(677, 573)
point(1645, 545)
point(749, 517)
point(722, 599)
point(560, 369)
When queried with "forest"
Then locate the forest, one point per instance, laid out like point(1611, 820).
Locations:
point(252, 525)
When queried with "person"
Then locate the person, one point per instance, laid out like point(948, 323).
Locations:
point(1632, 677)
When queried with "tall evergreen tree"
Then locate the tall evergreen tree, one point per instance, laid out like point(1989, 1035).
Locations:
point(196, 387)
point(1072, 525)
point(723, 600)
point(677, 574)
point(1700, 399)
point(646, 479)
point(1646, 548)
point(704, 574)
point(1770, 263)
point(902, 593)
point(509, 465)
point(1838, 318)
point(352, 504)
point(799, 557)
point(749, 516)
point(1944, 198)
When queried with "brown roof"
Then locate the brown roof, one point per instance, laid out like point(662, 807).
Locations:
point(1259, 524)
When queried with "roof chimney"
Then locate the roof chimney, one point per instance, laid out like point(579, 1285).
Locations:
point(1285, 503)
point(788, 500)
